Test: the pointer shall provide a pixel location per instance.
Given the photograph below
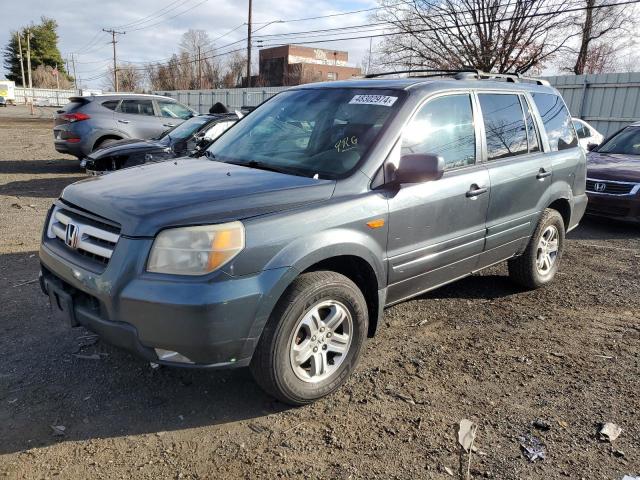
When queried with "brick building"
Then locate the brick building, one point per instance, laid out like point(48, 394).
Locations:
point(294, 64)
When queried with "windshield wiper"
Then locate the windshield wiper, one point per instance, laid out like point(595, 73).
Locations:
point(264, 166)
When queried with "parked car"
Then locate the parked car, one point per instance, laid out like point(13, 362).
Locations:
point(280, 247)
point(588, 136)
point(613, 176)
point(187, 139)
point(3, 102)
point(88, 123)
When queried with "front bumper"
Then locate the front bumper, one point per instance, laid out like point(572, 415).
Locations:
point(620, 207)
point(214, 321)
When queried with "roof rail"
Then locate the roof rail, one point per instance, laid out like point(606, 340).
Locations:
point(508, 77)
point(432, 72)
point(464, 74)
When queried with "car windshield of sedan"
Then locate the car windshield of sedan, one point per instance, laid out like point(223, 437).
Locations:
point(625, 142)
point(309, 132)
point(185, 129)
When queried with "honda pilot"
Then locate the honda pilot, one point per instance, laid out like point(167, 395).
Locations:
point(281, 247)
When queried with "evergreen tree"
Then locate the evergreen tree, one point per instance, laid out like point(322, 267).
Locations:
point(44, 50)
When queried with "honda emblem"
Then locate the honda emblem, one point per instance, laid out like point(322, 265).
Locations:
point(71, 236)
point(599, 187)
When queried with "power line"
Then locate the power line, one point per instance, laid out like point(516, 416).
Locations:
point(472, 24)
point(336, 14)
point(90, 44)
point(229, 32)
point(387, 23)
point(154, 15)
point(169, 18)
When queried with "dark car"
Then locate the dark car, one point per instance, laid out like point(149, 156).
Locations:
point(184, 140)
point(613, 176)
point(3, 102)
point(280, 247)
point(88, 123)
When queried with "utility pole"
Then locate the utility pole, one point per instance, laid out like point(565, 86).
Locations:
point(29, 66)
point(369, 61)
point(57, 77)
point(20, 56)
point(249, 47)
point(75, 79)
point(115, 64)
point(29, 57)
point(199, 70)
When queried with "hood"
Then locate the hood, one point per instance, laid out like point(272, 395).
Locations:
point(190, 191)
point(127, 147)
point(613, 166)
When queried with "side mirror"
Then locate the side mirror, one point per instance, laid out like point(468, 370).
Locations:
point(418, 168)
point(592, 146)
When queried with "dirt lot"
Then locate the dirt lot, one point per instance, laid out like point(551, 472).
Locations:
point(479, 349)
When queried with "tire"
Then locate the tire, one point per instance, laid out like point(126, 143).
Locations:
point(104, 143)
point(530, 269)
point(288, 337)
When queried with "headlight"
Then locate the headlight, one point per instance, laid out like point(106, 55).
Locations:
point(195, 250)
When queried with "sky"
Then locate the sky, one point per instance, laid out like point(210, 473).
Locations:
point(80, 24)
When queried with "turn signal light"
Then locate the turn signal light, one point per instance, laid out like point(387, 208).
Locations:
point(377, 223)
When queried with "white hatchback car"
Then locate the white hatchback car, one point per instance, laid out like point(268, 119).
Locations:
point(587, 135)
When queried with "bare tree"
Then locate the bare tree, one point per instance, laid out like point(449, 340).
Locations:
point(602, 29)
point(492, 35)
point(234, 70)
point(130, 79)
point(45, 77)
point(194, 67)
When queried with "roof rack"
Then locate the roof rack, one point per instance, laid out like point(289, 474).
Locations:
point(508, 77)
point(464, 74)
point(431, 72)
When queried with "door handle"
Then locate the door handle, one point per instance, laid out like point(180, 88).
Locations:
point(123, 121)
point(475, 190)
point(542, 174)
point(168, 125)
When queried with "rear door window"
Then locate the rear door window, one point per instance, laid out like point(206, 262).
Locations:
point(137, 107)
point(557, 121)
point(504, 125)
point(443, 126)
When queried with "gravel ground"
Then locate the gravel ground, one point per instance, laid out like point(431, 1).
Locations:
point(480, 349)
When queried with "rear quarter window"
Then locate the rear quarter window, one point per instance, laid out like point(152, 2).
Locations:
point(111, 104)
point(557, 121)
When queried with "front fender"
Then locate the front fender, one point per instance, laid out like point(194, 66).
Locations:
point(309, 250)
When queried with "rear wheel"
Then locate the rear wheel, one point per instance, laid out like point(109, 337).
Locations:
point(104, 143)
point(538, 265)
point(313, 339)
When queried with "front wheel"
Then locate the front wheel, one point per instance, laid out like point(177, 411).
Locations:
point(313, 339)
point(538, 265)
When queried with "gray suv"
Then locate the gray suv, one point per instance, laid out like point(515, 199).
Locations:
point(280, 248)
point(88, 123)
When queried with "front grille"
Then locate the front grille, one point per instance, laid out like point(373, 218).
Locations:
point(611, 188)
point(85, 236)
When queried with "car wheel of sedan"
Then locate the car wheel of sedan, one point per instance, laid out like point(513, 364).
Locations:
point(539, 263)
point(313, 339)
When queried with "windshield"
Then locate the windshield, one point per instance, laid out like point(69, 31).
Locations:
point(627, 142)
point(186, 129)
point(323, 132)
